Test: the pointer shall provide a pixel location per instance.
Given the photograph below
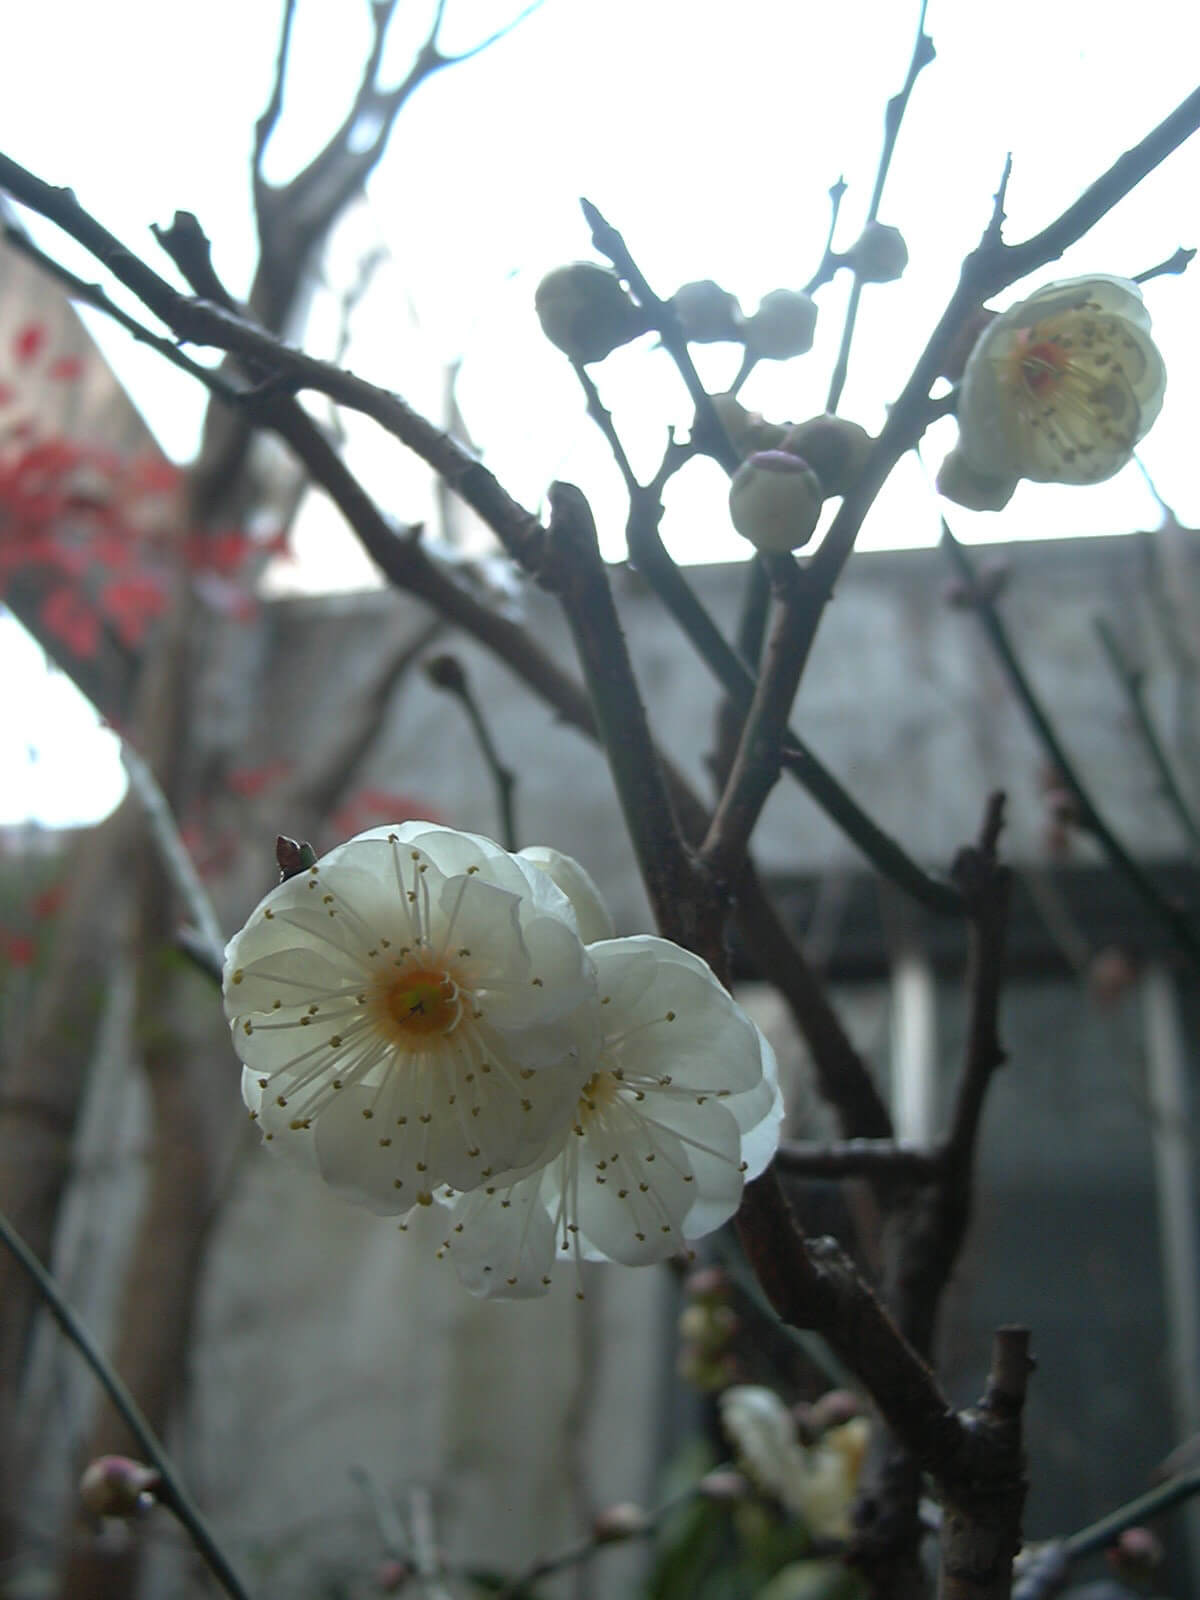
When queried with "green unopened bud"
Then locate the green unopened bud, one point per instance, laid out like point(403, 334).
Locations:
point(748, 431)
point(586, 311)
point(782, 326)
point(959, 481)
point(879, 254)
point(115, 1486)
point(834, 448)
point(775, 500)
point(707, 313)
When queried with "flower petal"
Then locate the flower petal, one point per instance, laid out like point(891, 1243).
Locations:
point(501, 1241)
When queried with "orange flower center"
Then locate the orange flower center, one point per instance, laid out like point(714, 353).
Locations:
point(1042, 365)
point(421, 1001)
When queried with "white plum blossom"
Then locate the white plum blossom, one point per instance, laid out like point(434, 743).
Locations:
point(681, 1107)
point(592, 916)
point(415, 1010)
point(1058, 389)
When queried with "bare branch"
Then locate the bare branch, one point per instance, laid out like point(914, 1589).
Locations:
point(1175, 920)
point(447, 672)
point(922, 54)
point(858, 1158)
point(1131, 681)
point(172, 1492)
point(266, 124)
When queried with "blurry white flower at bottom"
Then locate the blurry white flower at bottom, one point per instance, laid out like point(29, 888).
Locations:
point(412, 1011)
point(1057, 389)
point(816, 1483)
point(681, 1108)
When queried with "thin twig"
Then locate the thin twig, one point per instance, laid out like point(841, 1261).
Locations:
point(922, 55)
point(1131, 682)
point(446, 672)
point(1174, 266)
point(1176, 921)
point(1051, 1566)
point(172, 1494)
point(181, 869)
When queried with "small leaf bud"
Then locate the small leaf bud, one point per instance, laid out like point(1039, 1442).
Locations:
point(586, 311)
point(707, 313)
point(775, 500)
point(879, 254)
point(116, 1486)
point(834, 448)
point(783, 325)
point(748, 431)
point(959, 481)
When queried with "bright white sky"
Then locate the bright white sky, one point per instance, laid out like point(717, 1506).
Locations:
point(710, 134)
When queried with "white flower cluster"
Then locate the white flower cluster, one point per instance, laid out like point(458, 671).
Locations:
point(423, 1016)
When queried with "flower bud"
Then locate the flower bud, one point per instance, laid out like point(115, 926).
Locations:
point(707, 313)
point(619, 1522)
point(392, 1576)
point(115, 1486)
point(775, 500)
point(834, 448)
point(748, 431)
point(833, 1408)
point(967, 486)
point(586, 311)
point(723, 1487)
point(879, 254)
point(782, 326)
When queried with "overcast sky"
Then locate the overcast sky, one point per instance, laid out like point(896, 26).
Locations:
point(709, 134)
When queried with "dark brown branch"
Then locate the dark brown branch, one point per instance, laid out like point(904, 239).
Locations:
point(757, 763)
point(859, 1158)
point(1175, 920)
point(981, 1517)
point(685, 906)
point(812, 1284)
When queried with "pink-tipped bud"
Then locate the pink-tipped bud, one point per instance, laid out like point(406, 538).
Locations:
point(833, 1408)
point(586, 311)
point(775, 500)
point(879, 254)
point(783, 325)
point(116, 1486)
point(726, 1488)
point(618, 1522)
point(392, 1576)
point(707, 313)
point(834, 447)
point(707, 1283)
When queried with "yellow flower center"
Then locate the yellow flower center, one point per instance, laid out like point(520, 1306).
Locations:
point(599, 1092)
point(418, 1001)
